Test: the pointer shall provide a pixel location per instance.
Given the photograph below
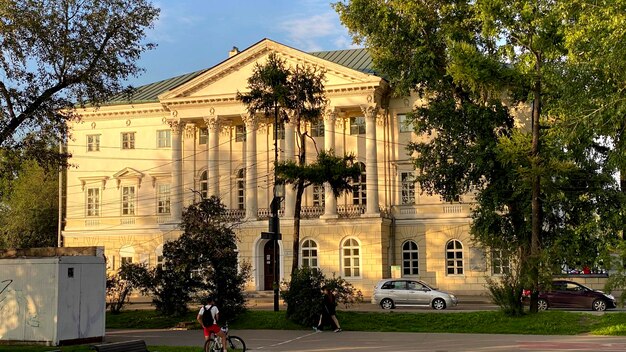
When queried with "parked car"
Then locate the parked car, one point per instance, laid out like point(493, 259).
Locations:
point(390, 293)
point(570, 294)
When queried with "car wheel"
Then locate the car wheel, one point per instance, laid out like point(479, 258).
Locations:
point(599, 305)
point(387, 303)
point(542, 304)
point(439, 304)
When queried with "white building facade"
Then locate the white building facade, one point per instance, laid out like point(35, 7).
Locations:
point(138, 164)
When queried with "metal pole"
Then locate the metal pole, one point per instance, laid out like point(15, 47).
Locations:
point(275, 204)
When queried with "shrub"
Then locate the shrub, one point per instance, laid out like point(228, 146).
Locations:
point(119, 286)
point(506, 292)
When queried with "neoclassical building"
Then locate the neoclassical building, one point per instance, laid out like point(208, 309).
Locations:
point(139, 163)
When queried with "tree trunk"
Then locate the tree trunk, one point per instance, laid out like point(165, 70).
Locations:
point(298, 204)
point(536, 190)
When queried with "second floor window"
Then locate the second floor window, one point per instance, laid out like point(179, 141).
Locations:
point(163, 199)
point(280, 133)
point(128, 200)
point(240, 133)
point(128, 140)
point(408, 188)
point(357, 125)
point(164, 139)
point(359, 189)
point(317, 129)
point(93, 143)
point(403, 124)
point(318, 195)
point(93, 201)
point(241, 189)
point(203, 135)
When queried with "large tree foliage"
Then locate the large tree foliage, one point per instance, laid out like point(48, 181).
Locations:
point(540, 196)
point(296, 94)
point(29, 208)
point(202, 261)
point(61, 53)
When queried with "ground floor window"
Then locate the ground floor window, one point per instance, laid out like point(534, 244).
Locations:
point(410, 256)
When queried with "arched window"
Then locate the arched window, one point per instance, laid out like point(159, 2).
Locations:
point(454, 258)
point(204, 184)
point(410, 256)
point(359, 190)
point(351, 258)
point(126, 254)
point(241, 189)
point(309, 254)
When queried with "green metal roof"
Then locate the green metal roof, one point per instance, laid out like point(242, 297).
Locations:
point(356, 59)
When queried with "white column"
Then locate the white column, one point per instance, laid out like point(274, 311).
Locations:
point(330, 202)
point(290, 154)
point(212, 155)
point(176, 190)
point(371, 156)
point(252, 207)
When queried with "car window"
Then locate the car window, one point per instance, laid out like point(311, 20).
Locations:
point(415, 286)
point(394, 285)
point(570, 286)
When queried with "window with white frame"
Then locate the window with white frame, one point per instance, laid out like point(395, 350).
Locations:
point(410, 258)
point(240, 133)
point(351, 258)
point(357, 125)
point(126, 254)
point(404, 124)
point(128, 140)
point(408, 188)
point(317, 129)
point(280, 132)
point(158, 252)
point(318, 195)
point(454, 258)
point(309, 254)
point(163, 199)
point(500, 263)
point(164, 138)
point(241, 189)
point(93, 143)
point(359, 189)
point(203, 135)
point(93, 202)
point(204, 185)
point(128, 200)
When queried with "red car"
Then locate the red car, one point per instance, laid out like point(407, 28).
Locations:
point(570, 294)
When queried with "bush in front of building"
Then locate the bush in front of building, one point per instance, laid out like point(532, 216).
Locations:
point(303, 294)
point(506, 292)
point(129, 277)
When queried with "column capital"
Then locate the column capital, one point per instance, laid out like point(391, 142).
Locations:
point(330, 115)
point(291, 119)
point(370, 110)
point(251, 121)
point(190, 129)
point(177, 126)
point(212, 122)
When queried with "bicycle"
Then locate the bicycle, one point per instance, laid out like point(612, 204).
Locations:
point(214, 343)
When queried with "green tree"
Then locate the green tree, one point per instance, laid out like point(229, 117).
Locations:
point(474, 62)
point(202, 261)
point(61, 53)
point(129, 277)
point(297, 94)
point(29, 208)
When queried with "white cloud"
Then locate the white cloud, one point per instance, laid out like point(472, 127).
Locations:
point(309, 33)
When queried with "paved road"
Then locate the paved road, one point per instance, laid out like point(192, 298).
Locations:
point(305, 341)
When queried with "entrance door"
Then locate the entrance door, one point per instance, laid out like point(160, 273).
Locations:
point(268, 264)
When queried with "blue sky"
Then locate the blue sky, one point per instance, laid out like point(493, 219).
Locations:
point(196, 34)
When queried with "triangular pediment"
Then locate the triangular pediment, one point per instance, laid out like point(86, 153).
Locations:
point(128, 172)
point(231, 75)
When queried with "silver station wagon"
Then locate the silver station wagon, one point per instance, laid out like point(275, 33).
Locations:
point(390, 293)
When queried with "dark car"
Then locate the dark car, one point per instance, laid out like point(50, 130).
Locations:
point(570, 294)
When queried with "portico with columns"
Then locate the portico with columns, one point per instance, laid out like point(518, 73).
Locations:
point(227, 153)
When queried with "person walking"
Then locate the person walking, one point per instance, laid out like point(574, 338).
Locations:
point(207, 317)
point(328, 311)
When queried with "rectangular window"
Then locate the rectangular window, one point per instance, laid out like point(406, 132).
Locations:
point(203, 135)
point(163, 199)
point(128, 140)
point(93, 143)
point(500, 264)
point(93, 201)
point(317, 129)
point(240, 133)
point(128, 200)
point(408, 188)
point(127, 260)
point(164, 139)
point(318, 195)
point(281, 131)
point(357, 125)
point(403, 124)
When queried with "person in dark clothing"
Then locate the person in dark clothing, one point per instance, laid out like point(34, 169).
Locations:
point(328, 311)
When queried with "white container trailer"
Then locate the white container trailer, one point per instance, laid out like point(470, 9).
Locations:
point(52, 300)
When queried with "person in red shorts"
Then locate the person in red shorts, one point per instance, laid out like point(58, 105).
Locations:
point(209, 323)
